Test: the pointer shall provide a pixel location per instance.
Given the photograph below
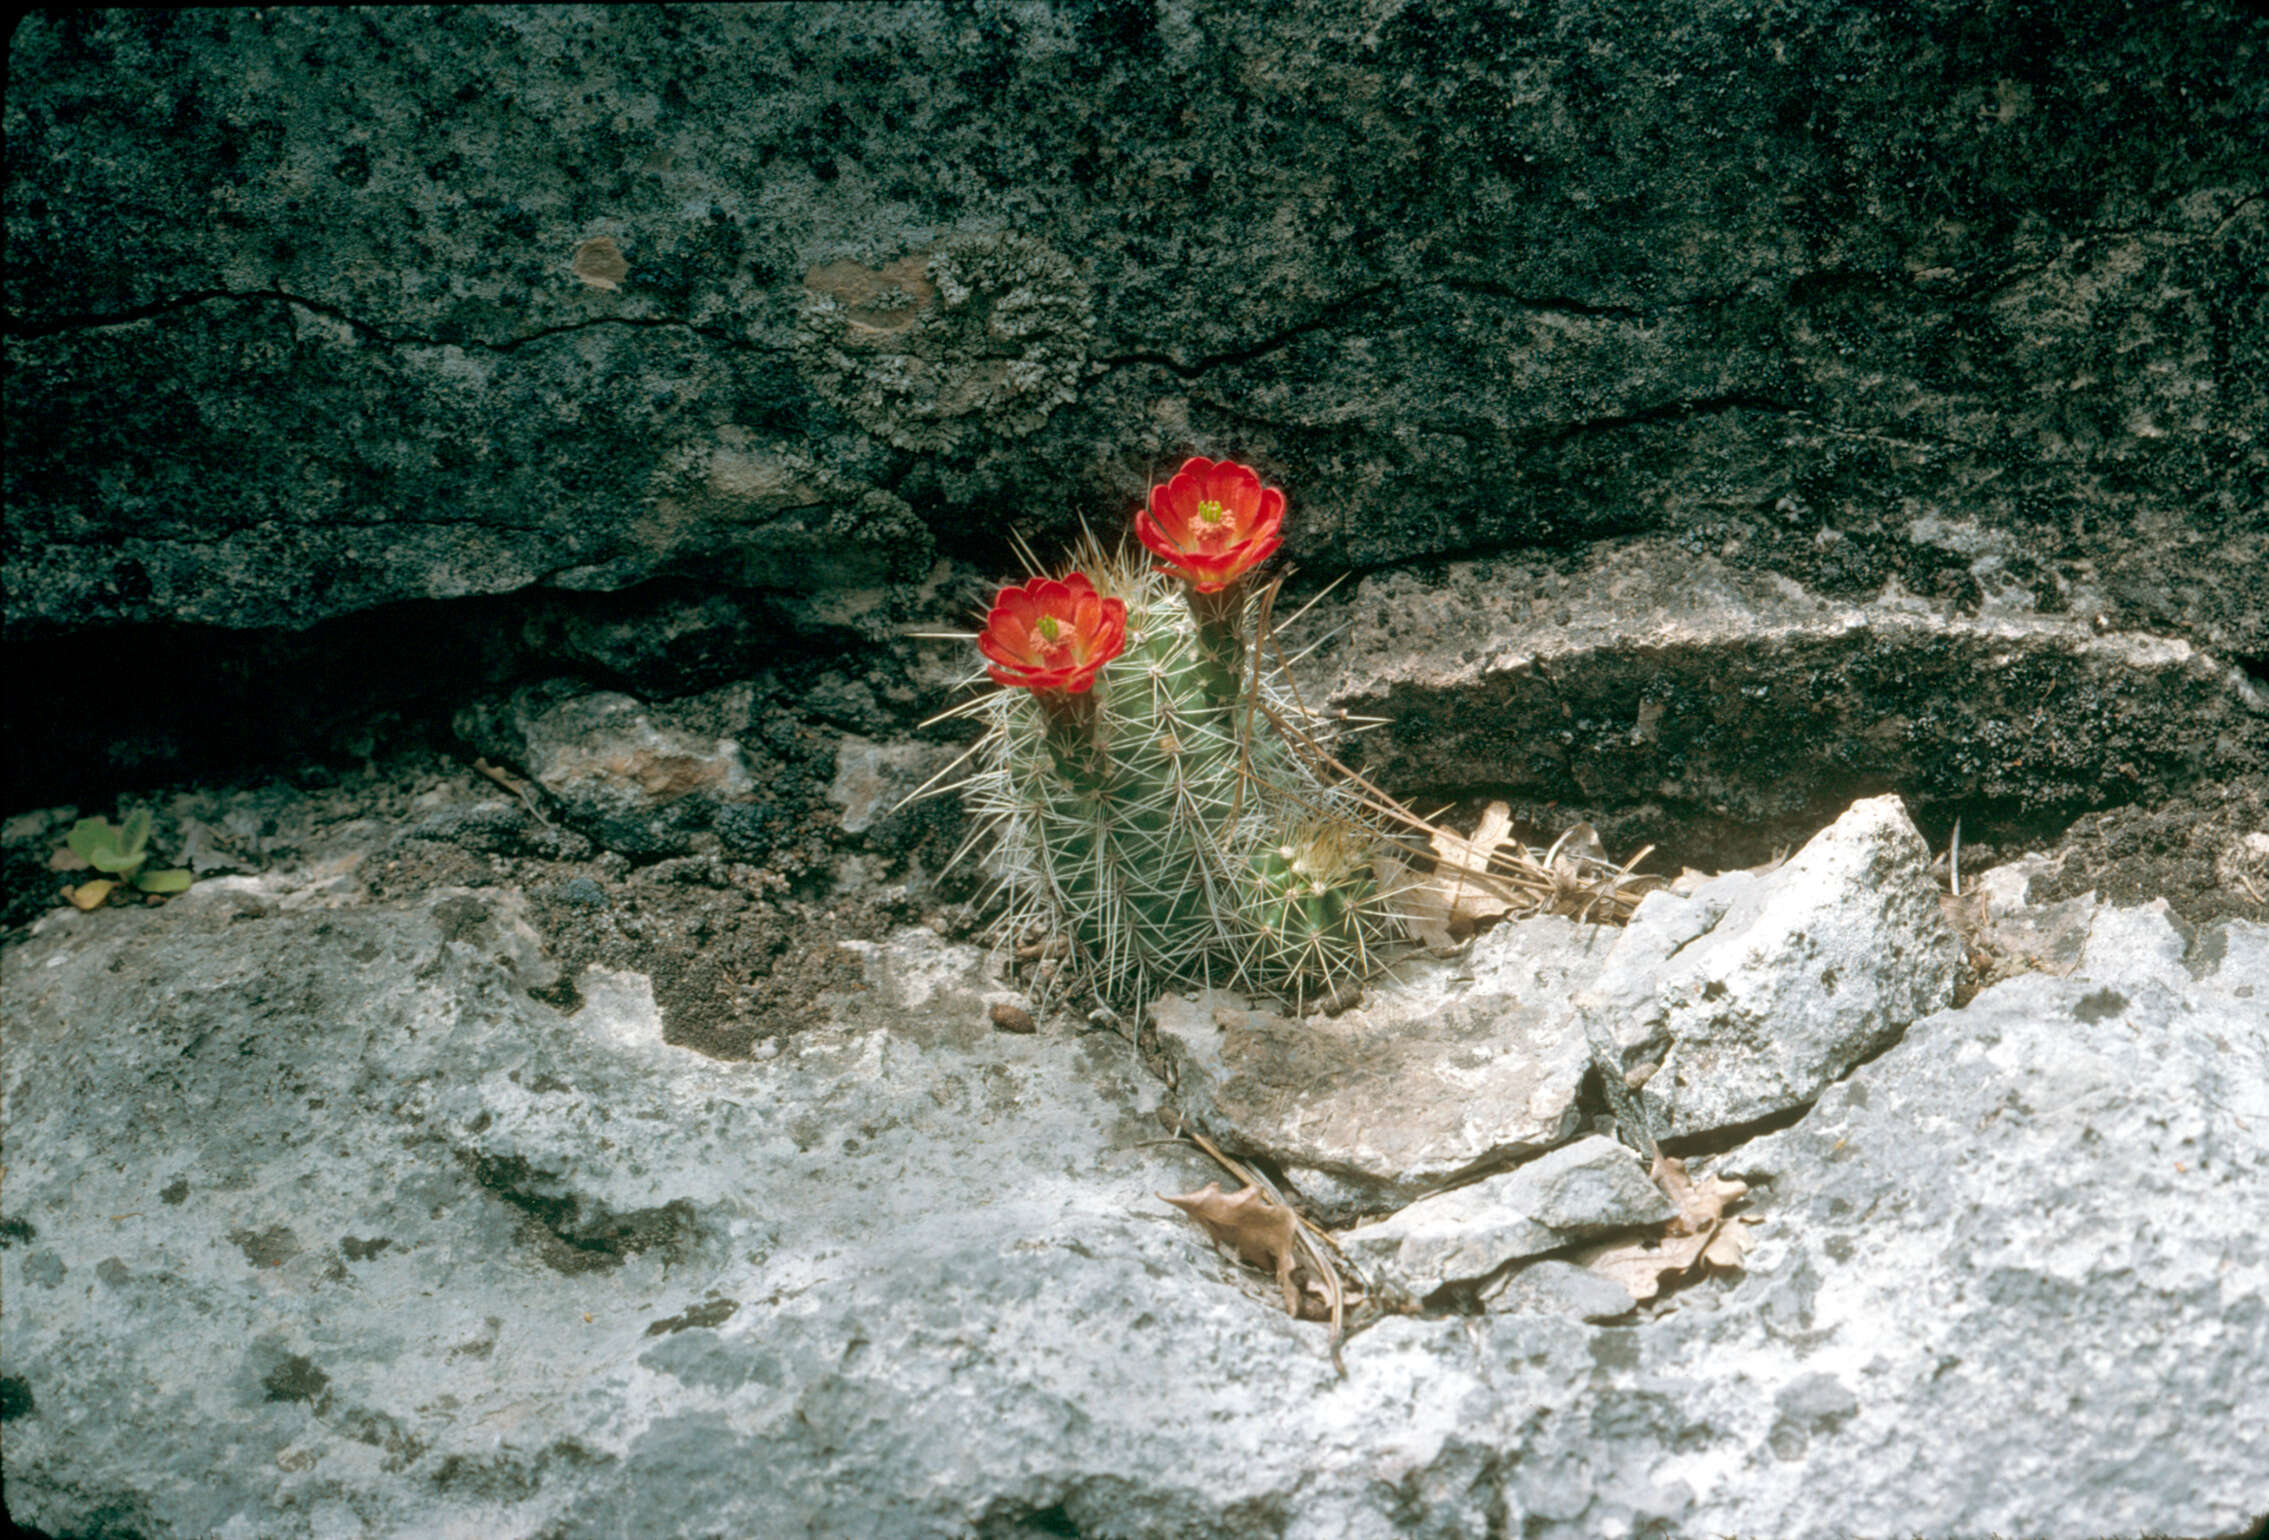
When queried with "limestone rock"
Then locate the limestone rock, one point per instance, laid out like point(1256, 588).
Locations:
point(1725, 705)
point(1446, 1066)
point(310, 1212)
point(657, 778)
point(2046, 1198)
point(1553, 1287)
point(1591, 1187)
point(2006, 933)
point(1748, 997)
point(873, 780)
point(424, 335)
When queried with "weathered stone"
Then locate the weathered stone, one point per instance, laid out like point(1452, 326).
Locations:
point(873, 780)
point(1553, 1287)
point(700, 774)
point(1743, 1001)
point(641, 787)
point(1445, 1067)
point(592, 1176)
point(1584, 1189)
point(664, 640)
point(452, 305)
point(2021, 935)
point(2041, 1199)
point(310, 1212)
point(1719, 707)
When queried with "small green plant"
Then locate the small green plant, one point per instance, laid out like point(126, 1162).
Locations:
point(1148, 775)
point(121, 851)
point(1162, 804)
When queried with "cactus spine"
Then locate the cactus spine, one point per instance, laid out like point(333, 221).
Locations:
point(1166, 822)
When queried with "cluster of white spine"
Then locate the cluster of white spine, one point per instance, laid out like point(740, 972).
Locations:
point(1182, 838)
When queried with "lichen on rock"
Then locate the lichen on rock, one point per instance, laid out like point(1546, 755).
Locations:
point(982, 334)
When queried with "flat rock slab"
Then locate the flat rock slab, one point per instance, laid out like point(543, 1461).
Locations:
point(1552, 1287)
point(1734, 1004)
point(1591, 1187)
point(1722, 699)
point(316, 1223)
point(1746, 999)
point(1445, 1067)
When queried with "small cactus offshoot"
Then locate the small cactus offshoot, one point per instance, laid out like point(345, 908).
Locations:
point(120, 851)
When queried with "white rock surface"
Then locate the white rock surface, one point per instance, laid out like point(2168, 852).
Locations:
point(1750, 996)
point(2026, 1241)
point(1553, 1287)
point(1446, 1066)
point(313, 1224)
point(1584, 1189)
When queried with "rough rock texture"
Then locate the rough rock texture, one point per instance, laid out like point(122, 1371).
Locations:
point(1746, 998)
point(700, 773)
point(1552, 1287)
point(1732, 411)
point(1740, 1001)
point(312, 310)
point(1835, 399)
point(1446, 1068)
point(1678, 697)
point(2053, 1153)
point(315, 1223)
point(875, 780)
point(603, 757)
point(1578, 1191)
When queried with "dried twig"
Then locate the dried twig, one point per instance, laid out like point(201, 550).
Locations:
point(1517, 875)
point(516, 786)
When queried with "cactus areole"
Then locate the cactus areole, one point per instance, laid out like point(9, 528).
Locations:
point(1151, 782)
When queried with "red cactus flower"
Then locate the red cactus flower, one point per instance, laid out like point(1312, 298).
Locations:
point(1053, 634)
point(1213, 523)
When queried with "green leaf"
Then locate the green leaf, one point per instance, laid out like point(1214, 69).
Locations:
point(135, 833)
point(109, 858)
point(89, 835)
point(175, 880)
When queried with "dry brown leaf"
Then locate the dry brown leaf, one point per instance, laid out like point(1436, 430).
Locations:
point(1422, 906)
point(1727, 1248)
point(1461, 893)
point(1698, 1206)
point(1570, 852)
point(1698, 1237)
point(1261, 1231)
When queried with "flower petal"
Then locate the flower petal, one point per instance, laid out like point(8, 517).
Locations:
point(1090, 631)
point(1212, 556)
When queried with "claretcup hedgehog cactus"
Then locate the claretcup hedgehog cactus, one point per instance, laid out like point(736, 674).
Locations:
point(1149, 776)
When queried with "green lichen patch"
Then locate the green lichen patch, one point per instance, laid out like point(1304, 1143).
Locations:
point(985, 338)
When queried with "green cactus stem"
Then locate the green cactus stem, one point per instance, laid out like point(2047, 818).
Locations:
point(1163, 822)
